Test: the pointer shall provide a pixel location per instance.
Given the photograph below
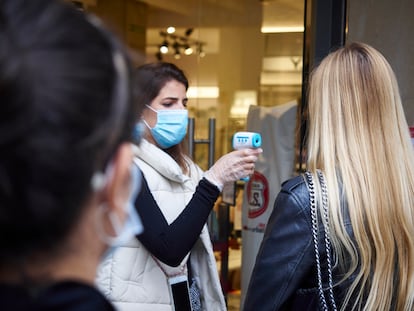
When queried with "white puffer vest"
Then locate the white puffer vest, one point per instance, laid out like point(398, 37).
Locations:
point(130, 277)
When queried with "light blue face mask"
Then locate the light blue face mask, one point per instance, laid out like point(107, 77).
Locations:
point(132, 225)
point(170, 128)
point(138, 131)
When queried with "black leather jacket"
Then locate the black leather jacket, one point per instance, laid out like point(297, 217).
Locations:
point(285, 274)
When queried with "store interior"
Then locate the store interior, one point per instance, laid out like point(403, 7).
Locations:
point(237, 55)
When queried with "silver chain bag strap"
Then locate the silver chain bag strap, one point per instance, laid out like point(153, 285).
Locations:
point(315, 231)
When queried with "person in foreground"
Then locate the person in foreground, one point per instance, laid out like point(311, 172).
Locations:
point(67, 179)
point(174, 204)
point(362, 163)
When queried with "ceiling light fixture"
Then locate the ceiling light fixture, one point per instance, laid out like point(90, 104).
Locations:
point(188, 50)
point(280, 29)
point(180, 44)
point(164, 47)
point(171, 29)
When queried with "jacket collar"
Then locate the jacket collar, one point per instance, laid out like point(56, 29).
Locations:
point(160, 161)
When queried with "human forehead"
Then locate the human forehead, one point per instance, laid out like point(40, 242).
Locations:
point(173, 88)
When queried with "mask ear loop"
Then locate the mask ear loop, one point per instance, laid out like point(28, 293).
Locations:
point(145, 122)
point(103, 210)
point(100, 179)
point(98, 183)
point(149, 107)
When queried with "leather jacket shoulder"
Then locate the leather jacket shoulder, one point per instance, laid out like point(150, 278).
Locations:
point(285, 269)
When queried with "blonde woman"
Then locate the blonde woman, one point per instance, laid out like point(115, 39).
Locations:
point(358, 140)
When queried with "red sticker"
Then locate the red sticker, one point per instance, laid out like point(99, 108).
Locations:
point(257, 195)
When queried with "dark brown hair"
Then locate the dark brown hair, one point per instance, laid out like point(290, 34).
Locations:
point(150, 79)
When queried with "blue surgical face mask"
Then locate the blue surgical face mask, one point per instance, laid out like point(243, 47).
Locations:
point(170, 128)
point(132, 225)
point(138, 131)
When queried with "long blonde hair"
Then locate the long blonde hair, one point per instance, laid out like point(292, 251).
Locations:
point(359, 137)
